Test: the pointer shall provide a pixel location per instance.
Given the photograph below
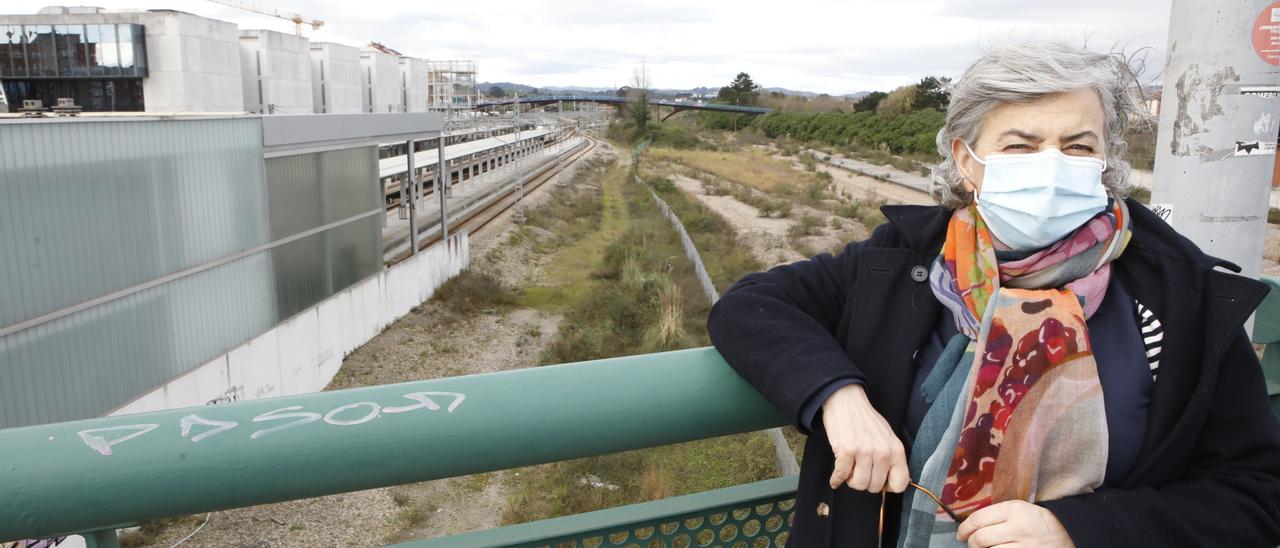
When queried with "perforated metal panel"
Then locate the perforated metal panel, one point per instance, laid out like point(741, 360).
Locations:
point(757, 526)
point(754, 515)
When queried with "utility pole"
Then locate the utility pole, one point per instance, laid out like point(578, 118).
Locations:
point(561, 147)
point(517, 216)
point(1218, 124)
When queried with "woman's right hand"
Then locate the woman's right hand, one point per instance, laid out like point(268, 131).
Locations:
point(869, 457)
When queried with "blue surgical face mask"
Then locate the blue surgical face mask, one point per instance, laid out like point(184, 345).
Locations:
point(1032, 200)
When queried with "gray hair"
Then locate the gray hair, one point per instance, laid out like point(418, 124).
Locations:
point(1020, 73)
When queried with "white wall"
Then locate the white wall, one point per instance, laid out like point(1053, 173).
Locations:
point(380, 76)
point(335, 78)
point(303, 353)
point(194, 63)
point(276, 72)
point(413, 84)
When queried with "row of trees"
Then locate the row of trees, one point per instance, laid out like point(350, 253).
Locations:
point(930, 92)
point(907, 133)
point(905, 120)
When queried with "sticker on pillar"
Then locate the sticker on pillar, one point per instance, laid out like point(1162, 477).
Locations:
point(1254, 148)
point(1164, 212)
point(1263, 92)
point(1266, 34)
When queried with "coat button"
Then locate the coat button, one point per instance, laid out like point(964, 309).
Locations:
point(919, 273)
point(823, 510)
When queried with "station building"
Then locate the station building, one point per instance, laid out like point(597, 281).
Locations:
point(276, 72)
point(113, 61)
point(380, 76)
point(166, 61)
point(335, 78)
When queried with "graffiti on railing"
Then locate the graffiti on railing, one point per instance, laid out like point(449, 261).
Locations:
point(103, 439)
point(41, 543)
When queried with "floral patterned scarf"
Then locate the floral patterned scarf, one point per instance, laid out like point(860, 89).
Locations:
point(1028, 421)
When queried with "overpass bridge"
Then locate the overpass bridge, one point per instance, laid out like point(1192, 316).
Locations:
point(621, 102)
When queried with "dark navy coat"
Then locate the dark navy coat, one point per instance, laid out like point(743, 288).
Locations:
point(1209, 469)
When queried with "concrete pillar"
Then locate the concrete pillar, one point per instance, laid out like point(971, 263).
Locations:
point(1218, 124)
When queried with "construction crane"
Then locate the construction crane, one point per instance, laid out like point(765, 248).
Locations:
point(297, 19)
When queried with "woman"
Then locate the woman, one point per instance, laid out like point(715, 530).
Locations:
point(1052, 361)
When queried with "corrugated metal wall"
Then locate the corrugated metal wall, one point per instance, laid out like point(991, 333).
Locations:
point(92, 208)
point(307, 191)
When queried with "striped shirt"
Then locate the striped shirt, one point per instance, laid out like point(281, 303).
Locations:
point(1152, 335)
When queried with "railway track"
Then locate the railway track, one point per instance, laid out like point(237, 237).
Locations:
point(475, 217)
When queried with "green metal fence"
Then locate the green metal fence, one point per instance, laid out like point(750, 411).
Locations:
point(118, 471)
point(756, 515)
point(1266, 330)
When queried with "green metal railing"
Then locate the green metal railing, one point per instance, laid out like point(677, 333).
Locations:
point(1266, 330)
point(96, 475)
point(105, 473)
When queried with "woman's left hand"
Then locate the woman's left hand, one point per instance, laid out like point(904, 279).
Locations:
point(1013, 523)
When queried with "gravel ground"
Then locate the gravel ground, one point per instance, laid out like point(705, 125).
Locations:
point(861, 187)
point(518, 266)
point(768, 237)
point(410, 349)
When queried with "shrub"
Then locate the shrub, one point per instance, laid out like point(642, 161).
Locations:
point(712, 188)
point(808, 161)
point(672, 135)
point(472, 291)
point(911, 132)
point(806, 225)
point(816, 189)
point(660, 184)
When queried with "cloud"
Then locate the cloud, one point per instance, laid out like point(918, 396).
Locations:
point(815, 45)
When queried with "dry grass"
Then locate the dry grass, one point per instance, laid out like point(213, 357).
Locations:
point(656, 482)
point(749, 167)
point(668, 331)
point(643, 296)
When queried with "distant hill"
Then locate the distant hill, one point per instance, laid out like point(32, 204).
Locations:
point(505, 86)
point(786, 91)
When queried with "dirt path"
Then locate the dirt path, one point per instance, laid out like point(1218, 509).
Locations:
point(767, 237)
point(861, 187)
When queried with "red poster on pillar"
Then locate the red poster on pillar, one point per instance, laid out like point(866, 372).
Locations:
point(1266, 34)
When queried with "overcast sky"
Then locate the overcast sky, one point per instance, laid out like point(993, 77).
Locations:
point(812, 45)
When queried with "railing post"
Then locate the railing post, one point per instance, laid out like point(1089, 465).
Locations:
point(103, 538)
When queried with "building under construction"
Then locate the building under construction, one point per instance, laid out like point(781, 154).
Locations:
point(451, 84)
